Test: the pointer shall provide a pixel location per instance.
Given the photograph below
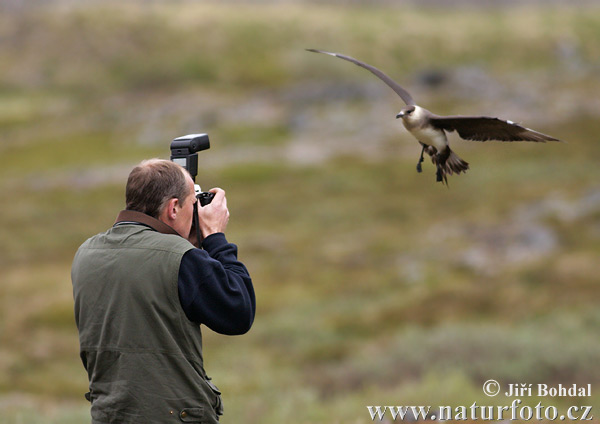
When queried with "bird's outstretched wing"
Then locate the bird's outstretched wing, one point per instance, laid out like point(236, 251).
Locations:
point(405, 95)
point(483, 128)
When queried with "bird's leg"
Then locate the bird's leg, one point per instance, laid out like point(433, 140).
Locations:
point(438, 174)
point(419, 167)
point(440, 160)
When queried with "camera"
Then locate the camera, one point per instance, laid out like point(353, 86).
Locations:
point(184, 152)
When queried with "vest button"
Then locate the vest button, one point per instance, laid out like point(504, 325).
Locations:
point(183, 414)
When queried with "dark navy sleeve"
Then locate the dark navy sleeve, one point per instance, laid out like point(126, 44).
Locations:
point(215, 289)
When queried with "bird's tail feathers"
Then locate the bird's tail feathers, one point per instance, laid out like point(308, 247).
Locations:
point(455, 165)
point(448, 164)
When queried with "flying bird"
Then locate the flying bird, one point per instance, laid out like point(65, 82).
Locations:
point(430, 129)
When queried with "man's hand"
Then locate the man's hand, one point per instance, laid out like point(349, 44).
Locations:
point(214, 217)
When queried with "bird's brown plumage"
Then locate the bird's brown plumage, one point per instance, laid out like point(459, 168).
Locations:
point(429, 129)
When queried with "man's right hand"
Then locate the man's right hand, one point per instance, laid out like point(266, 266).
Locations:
point(214, 217)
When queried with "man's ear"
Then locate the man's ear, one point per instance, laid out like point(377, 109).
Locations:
point(170, 211)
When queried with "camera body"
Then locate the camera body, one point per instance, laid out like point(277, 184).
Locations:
point(184, 152)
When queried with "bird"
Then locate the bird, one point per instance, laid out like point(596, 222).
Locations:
point(430, 129)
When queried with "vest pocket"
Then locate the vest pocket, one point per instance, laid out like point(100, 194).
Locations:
point(218, 405)
point(191, 415)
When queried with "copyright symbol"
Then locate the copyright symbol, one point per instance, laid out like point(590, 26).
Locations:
point(491, 388)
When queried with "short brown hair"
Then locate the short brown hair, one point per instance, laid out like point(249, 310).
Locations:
point(152, 184)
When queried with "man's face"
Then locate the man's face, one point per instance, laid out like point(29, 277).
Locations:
point(183, 222)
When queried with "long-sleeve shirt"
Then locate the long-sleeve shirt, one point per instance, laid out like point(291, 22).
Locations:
point(215, 289)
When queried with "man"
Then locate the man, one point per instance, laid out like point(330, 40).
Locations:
point(141, 291)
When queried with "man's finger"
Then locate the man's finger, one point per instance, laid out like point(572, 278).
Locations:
point(219, 192)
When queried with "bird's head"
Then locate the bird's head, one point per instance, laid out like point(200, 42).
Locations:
point(406, 113)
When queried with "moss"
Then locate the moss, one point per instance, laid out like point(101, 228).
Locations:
point(362, 292)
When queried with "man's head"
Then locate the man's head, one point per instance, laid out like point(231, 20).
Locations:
point(163, 190)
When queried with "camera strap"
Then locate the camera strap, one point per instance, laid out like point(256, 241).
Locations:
point(197, 224)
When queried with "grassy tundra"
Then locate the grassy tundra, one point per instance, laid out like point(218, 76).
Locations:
point(375, 285)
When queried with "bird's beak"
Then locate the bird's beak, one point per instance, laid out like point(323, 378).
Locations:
point(400, 115)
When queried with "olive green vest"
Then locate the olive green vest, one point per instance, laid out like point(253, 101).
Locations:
point(143, 356)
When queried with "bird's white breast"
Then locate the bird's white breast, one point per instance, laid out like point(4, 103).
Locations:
point(425, 134)
point(431, 136)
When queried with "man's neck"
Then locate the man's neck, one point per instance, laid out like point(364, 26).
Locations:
point(126, 216)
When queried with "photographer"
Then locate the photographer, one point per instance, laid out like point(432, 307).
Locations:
point(141, 291)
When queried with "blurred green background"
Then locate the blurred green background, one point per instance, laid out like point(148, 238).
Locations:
point(375, 285)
